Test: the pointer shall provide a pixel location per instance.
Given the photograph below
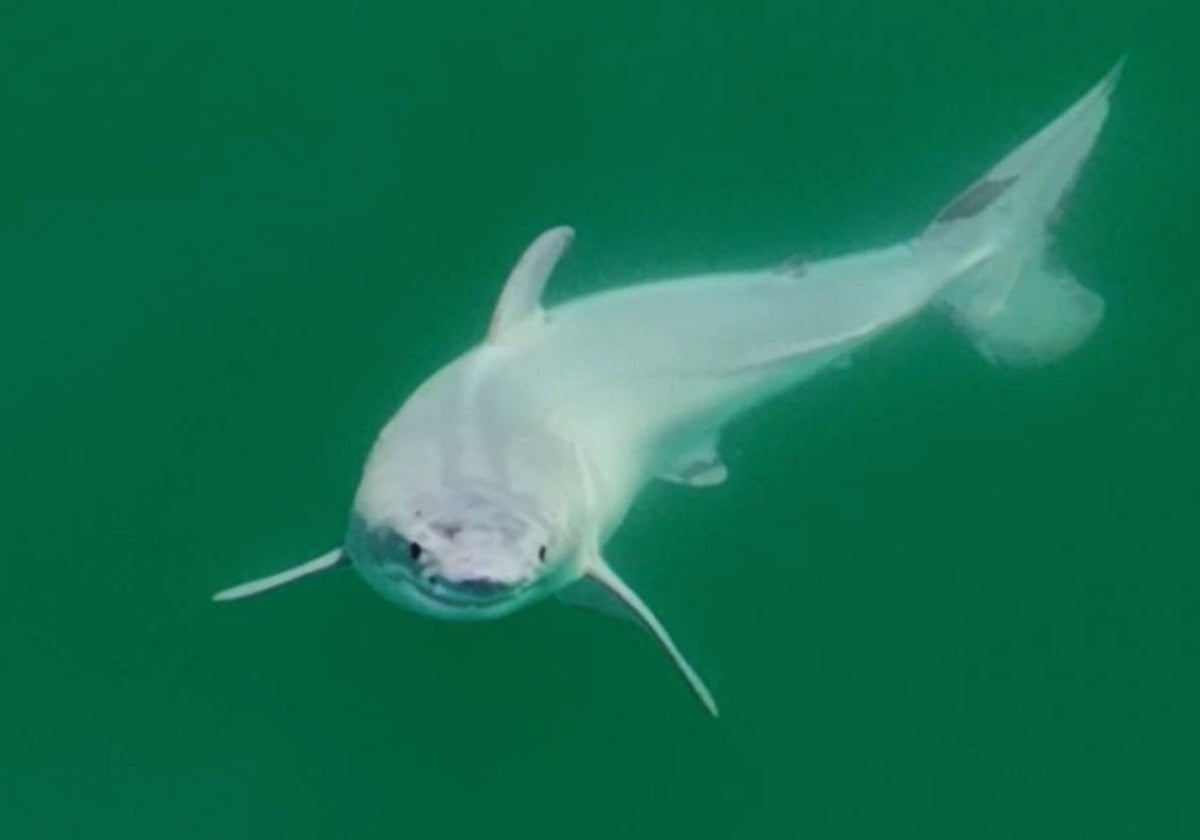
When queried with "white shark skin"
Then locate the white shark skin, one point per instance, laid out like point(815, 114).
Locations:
point(512, 466)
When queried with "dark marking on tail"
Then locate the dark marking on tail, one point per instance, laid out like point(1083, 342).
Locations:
point(977, 199)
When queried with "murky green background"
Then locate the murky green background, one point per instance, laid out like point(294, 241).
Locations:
point(935, 599)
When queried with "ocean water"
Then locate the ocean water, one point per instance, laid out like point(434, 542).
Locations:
point(935, 599)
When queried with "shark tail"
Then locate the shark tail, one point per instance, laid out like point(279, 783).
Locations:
point(1015, 304)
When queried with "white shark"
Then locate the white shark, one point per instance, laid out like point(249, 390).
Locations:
point(500, 479)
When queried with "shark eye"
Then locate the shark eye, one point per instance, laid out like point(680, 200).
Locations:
point(414, 551)
point(542, 553)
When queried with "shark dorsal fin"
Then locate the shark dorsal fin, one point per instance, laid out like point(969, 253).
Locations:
point(522, 294)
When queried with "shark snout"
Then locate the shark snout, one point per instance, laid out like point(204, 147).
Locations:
point(480, 560)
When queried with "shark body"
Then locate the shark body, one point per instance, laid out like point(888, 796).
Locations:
point(501, 477)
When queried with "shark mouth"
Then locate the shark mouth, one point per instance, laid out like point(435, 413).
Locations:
point(478, 592)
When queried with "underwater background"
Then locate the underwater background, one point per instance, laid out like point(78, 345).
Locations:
point(935, 599)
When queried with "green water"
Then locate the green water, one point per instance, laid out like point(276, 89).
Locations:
point(935, 599)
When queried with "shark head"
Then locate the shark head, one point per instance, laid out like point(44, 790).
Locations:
point(467, 555)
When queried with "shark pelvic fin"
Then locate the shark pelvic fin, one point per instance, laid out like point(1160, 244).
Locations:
point(701, 467)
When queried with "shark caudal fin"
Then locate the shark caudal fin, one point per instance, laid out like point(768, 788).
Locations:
point(1015, 304)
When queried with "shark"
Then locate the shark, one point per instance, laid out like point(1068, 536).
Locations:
point(501, 477)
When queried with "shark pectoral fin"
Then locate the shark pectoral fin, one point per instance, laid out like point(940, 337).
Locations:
point(702, 467)
point(600, 572)
point(591, 594)
point(522, 293)
point(331, 560)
